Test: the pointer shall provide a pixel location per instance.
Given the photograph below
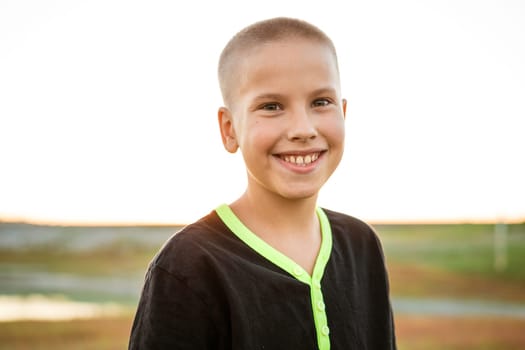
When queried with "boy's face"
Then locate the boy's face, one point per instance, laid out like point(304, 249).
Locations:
point(287, 117)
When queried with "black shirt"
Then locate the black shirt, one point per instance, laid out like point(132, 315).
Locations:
point(216, 285)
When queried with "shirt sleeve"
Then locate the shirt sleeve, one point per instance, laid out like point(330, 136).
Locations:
point(171, 316)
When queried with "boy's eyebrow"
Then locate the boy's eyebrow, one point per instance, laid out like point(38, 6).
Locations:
point(325, 90)
point(268, 96)
point(276, 96)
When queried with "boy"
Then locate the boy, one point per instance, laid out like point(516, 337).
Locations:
point(272, 270)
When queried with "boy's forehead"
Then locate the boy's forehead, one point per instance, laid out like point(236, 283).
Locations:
point(283, 58)
point(273, 48)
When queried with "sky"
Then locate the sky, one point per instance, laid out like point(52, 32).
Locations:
point(108, 109)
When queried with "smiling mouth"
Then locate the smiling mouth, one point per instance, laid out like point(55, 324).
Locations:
point(300, 160)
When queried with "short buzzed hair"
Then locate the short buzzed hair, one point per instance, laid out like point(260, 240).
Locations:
point(262, 32)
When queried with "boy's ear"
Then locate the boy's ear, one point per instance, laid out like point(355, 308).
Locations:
point(344, 108)
point(229, 139)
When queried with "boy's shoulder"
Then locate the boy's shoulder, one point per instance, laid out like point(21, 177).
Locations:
point(341, 222)
point(197, 243)
point(351, 229)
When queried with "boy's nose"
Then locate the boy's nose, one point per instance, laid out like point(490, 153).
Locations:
point(301, 126)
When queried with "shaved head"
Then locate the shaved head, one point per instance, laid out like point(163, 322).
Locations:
point(257, 34)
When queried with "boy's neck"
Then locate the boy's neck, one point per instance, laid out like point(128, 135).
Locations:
point(290, 226)
point(280, 215)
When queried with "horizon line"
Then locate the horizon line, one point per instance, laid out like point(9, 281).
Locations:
point(139, 223)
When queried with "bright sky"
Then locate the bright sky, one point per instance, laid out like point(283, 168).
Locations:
point(108, 108)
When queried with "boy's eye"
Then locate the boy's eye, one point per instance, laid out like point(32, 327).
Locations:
point(271, 107)
point(321, 102)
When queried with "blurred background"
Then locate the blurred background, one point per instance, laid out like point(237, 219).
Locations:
point(109, 144)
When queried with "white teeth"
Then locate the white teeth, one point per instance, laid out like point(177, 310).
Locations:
point(301, 160)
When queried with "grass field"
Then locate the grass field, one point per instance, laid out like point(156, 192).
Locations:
point(424, 261)
point(453, 261)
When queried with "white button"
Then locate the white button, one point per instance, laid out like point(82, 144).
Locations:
point(325, 330)
point(320, 305)
point(297, 271)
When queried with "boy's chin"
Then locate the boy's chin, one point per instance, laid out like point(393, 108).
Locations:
point(299, 194)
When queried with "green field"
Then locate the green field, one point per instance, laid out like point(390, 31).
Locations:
point(459, 248)
point(424, 261)
point(454, 261)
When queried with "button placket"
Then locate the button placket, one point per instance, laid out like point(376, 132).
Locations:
point(319, 311)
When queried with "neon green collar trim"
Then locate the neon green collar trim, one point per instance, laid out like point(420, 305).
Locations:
point(290, 266)
point(251, 239)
